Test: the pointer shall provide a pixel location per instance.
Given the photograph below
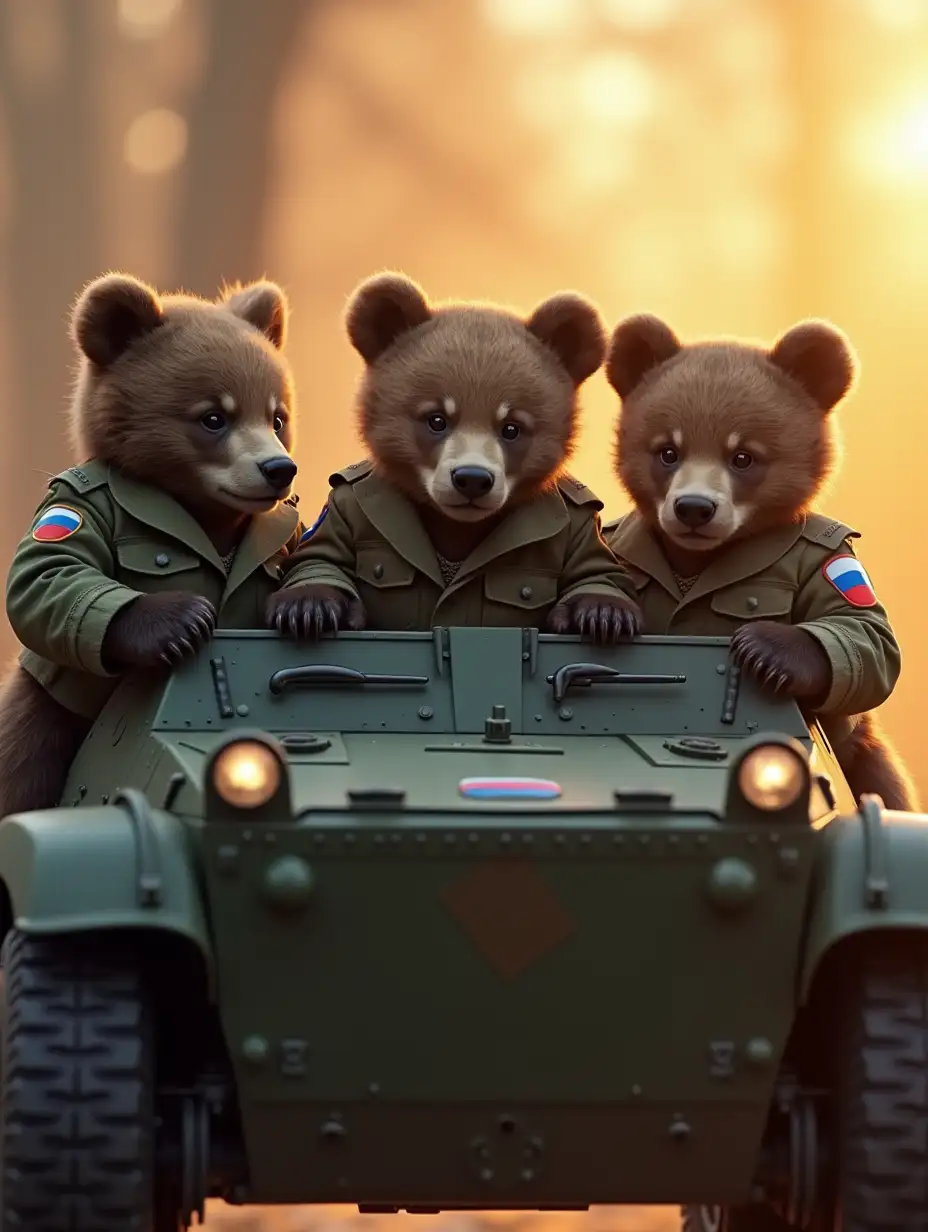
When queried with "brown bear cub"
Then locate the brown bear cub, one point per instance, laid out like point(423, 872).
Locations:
point(463, 513)
point(179, 520)
point(723, 447)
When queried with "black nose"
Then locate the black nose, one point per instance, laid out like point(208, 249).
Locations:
point(694, 510)
point(279, 472)
point(472, 481)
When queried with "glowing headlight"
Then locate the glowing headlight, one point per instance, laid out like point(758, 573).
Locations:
point(771, 777)
point(246, 775)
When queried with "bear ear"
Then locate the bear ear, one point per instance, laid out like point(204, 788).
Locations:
point(110, 313)
point(263, 305)
point(638, 344)
point(380, 310)
point(571, 326)
point(818, 357)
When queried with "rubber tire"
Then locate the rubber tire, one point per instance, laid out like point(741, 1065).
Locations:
point(881, 1090)
point(77, 1101)
point(734, 1219)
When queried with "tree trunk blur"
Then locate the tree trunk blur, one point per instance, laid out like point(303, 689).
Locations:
point(48, 52)
point(226, 176)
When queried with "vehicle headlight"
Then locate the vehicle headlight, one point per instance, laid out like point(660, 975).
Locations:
point(771, 777)
point(246, 774)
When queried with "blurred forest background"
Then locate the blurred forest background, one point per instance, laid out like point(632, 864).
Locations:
point(732, 165)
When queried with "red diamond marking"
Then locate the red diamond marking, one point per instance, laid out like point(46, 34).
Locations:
point(510, 913)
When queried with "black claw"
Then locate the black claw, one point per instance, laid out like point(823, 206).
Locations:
point(293, 620)
point(782, 681)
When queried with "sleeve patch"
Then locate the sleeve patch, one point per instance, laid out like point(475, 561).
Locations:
point(311, 530)
point(59, 522)
point(849, 578)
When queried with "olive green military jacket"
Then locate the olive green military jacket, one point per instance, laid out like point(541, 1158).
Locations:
point(777, 575)
point(130, 539)
point(370, 542)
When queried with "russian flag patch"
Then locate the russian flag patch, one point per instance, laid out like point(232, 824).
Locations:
point(311, 530)
point(849, 578)
point(509, 789)
point(56, 524)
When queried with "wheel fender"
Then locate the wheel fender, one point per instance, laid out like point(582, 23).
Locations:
point(873, 875)
point(119, 866)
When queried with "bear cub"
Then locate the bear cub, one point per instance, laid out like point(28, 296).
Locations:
point(462, 513)
point(185, 410)
point(723, 447)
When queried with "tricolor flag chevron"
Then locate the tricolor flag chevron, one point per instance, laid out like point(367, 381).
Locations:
point(56, 524)
point(849, 578)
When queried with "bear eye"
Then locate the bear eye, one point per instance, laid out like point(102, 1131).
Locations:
point(742, 460)
point(510, 431)
point(279, 423)
point(213, 421)
point(437, 423)
point(669, 456)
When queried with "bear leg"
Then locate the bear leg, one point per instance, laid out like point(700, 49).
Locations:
point(39, 739)
point(872, 765)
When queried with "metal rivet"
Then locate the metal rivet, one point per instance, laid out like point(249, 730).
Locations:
point(425, 712)
point(526, 592)
point(256, 1049)
point(378, 571)
point(752, 603)
point(162, 559)
point(242, 711)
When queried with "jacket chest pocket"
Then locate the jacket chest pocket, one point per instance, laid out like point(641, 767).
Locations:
point(148, 566)
point(387, 586)
point(754, 600)
point(518, 599)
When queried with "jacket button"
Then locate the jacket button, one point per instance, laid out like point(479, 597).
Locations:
point(526, 592)
point(378, 571)
point(752, 603)
point(162, 559)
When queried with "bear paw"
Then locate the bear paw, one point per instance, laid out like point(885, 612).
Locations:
point(158, 629)
point(604, 618)
point(783, 658)
point(308, 611)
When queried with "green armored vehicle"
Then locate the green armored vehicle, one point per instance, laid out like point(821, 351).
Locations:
point(471, 919)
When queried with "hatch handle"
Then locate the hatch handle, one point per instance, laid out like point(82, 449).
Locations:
point(324, 675)
point(582, 675)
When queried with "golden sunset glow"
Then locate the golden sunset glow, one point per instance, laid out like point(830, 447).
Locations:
point(732, 166)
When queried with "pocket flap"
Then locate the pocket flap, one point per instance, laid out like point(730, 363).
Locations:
point(754, 600)
point(522, 590)
point(383, 568)
point(146, 556)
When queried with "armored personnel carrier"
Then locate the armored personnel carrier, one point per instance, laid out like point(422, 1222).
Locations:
point(471, 919)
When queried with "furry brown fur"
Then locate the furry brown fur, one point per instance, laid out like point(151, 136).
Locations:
point(469, 410)
point(718, 441)
point(188, 395)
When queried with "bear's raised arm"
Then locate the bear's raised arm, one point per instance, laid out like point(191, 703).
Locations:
point(837, 605)
point(61, 596)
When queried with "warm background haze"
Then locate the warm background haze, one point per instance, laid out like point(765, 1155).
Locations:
point(732, 165)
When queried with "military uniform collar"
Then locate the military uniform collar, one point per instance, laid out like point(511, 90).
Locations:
point(635, 543)
point(396, 518)
point(267, 532)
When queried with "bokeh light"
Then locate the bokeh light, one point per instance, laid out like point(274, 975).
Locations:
point(892, 148)
point(146, 18)
point(640, 16)
point(539, 17)
point(156, 142)
point(617, 87)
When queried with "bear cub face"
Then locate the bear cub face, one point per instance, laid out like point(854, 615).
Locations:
point(719, 440)
point(189, 395)
point(468, 409)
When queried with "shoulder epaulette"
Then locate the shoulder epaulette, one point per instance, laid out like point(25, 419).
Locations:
point(352, 473)
point(577, 492)
point(87, 477)
point(614, 523)
point(826, 532)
